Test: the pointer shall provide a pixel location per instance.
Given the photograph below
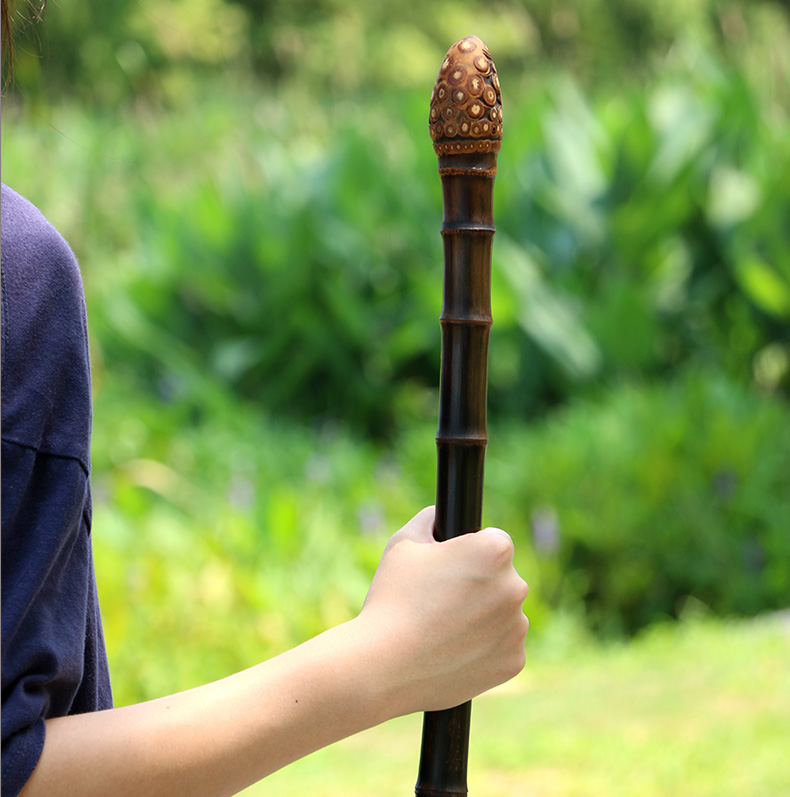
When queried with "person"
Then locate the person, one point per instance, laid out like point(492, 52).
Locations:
point(441, 623)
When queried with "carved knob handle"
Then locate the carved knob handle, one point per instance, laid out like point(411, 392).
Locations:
point(466, 106)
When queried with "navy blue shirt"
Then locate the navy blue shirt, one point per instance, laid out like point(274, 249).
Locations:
point(53, 657)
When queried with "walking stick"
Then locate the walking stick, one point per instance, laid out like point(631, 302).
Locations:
point(466, 128)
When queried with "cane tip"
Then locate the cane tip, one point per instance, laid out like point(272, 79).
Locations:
point(466, 105)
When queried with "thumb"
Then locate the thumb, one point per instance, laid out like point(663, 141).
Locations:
point(420, 527)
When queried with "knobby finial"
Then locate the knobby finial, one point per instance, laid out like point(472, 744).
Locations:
point(466, 106)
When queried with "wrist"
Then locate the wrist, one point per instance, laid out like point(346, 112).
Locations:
point(386, 665)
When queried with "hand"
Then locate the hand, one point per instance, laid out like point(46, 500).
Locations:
point(448, 614)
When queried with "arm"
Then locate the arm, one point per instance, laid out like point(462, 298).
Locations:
point(390, 660)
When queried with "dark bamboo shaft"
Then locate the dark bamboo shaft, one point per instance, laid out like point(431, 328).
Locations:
point(465, 101)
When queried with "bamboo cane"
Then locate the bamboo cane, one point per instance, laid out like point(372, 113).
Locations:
point(466, 128)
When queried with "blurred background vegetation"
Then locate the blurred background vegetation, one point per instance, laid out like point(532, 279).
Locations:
point(252, 194)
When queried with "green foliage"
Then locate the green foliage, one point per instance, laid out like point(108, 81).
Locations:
point(636, 508)
point(293, 259)
point(649, 219)
point(304, 292)
point(654, 497)
point(122, 50)
point(221, 543)
point(636, 235)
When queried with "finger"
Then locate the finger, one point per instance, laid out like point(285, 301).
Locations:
point(500, 545)
point(492, 543)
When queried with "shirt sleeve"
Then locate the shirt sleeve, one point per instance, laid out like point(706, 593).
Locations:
point(53, 657)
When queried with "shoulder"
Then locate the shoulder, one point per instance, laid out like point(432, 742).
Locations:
point(45, 369)
point(21, 214)
point(34, 254)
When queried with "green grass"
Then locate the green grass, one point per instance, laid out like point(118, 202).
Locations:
point(699, 708)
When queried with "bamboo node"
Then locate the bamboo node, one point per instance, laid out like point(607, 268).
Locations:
point(461, 171)
point(466, 440)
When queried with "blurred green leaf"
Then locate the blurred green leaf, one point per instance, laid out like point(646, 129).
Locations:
point(548, 318)
point(764, 286)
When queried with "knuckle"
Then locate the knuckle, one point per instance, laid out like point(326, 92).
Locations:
point(500, 544)
point(518, 590)
point(513, 651)
point(520, 628)
point(516, 662)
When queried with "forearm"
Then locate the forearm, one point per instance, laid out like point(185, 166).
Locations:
point(442, 622)
point(219, 738)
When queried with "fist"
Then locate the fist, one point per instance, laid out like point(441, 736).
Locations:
point(448, 614)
